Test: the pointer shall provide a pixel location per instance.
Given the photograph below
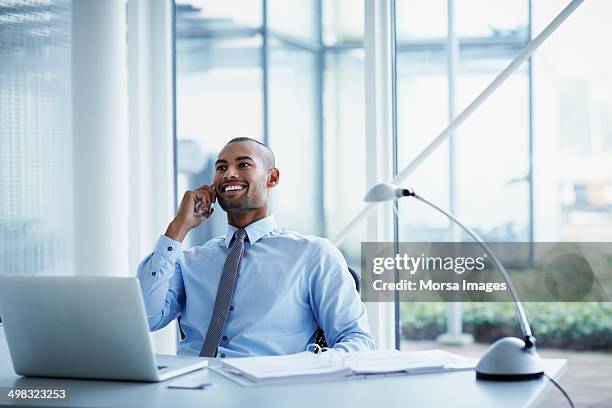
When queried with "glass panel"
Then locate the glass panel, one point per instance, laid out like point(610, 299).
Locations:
point(422, 90)
point(573, 131)
point(294, 137)
point(216, 82)
point(219, 79)
point(420, 20)
point(422, 110)
point(492, 166)
point(496, 19)
point(344, 149)
point(343, 22)
point(491, 148)
point(295, 18)
point(218, 15)
point(572, 105)
point(35, 138)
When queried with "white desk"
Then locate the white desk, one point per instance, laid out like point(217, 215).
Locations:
point(459, 389)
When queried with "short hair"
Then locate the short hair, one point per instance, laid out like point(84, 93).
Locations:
point(268, 154)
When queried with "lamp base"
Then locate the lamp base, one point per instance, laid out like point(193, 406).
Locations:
point(508, 359)
point(508, 377)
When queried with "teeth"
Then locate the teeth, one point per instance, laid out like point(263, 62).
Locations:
point(233, 188)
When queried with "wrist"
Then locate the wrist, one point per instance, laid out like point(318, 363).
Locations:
point(177, 230)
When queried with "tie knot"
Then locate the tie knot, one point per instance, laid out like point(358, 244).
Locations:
point(240, 234)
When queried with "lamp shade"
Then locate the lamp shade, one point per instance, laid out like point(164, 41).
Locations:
point(383, 192)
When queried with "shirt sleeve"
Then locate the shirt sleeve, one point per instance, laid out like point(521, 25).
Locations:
point(335, 301)
point(161, 282)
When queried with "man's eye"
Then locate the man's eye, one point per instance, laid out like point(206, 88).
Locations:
point(220, 168)
point(243, 165)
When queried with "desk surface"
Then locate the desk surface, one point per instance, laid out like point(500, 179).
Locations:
point(458, 389)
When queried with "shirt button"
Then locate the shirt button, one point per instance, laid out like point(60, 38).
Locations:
point(222, 355)
point(231, 307)
point(224, 338)
point(154, 273)
point(169, 248)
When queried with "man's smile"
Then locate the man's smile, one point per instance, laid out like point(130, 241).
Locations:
point(232, 189)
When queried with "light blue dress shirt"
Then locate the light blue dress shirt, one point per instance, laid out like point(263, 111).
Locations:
point(289, 285)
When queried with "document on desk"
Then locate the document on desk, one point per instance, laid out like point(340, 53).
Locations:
point(334, 365)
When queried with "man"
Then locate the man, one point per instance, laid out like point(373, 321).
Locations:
point(258, 290)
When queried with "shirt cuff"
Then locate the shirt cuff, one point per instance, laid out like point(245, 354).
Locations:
point(167, 248)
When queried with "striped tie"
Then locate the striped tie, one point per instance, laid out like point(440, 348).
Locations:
point(225, 292)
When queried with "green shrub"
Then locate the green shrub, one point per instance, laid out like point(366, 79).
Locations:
point(581, 326)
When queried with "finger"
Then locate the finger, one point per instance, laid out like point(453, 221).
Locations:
point(199, 202)
point(203, 188)
point(190, 199)
point(208, 192)
point(204, 211)
point(214, 193)
point(207, 199)
point(204, 206)
point(196, 203)
point(189, 195)
point(200, 193)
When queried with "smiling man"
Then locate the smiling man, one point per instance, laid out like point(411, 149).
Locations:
point(259, 289)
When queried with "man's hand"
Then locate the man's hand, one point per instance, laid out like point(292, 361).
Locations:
point(196, 206)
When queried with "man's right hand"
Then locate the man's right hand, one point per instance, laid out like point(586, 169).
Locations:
point(187, 217)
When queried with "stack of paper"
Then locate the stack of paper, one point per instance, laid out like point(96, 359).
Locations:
point(393, 361)
point(332, 365)
point(294, 366)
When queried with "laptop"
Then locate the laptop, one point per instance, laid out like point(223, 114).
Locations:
point(83, 327)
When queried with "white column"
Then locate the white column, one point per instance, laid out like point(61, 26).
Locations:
point(99, 100)
point(379, 145)
point(151, 180)
point(454, 315)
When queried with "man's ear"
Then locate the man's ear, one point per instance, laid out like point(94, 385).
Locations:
point(273, 178)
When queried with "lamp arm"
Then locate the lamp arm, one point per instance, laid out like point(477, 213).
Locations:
point(525, 328)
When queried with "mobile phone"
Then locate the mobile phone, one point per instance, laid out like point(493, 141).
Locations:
point(199, 210)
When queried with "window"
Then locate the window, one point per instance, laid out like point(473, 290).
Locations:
point(290, 75)
point(35, 138)
point(573, 130)
point(219, 89)
point(491, 190)
point(530, 164)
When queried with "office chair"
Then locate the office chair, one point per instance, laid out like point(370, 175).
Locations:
point(319, 334)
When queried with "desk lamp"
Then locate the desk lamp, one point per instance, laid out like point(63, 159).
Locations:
point(509, 358)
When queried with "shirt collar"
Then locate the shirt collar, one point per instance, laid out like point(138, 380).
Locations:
point(254, 230)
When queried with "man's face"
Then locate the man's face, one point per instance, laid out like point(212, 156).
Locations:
point(241, 177)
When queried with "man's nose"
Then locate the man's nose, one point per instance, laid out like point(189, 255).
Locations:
point(230, 173)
